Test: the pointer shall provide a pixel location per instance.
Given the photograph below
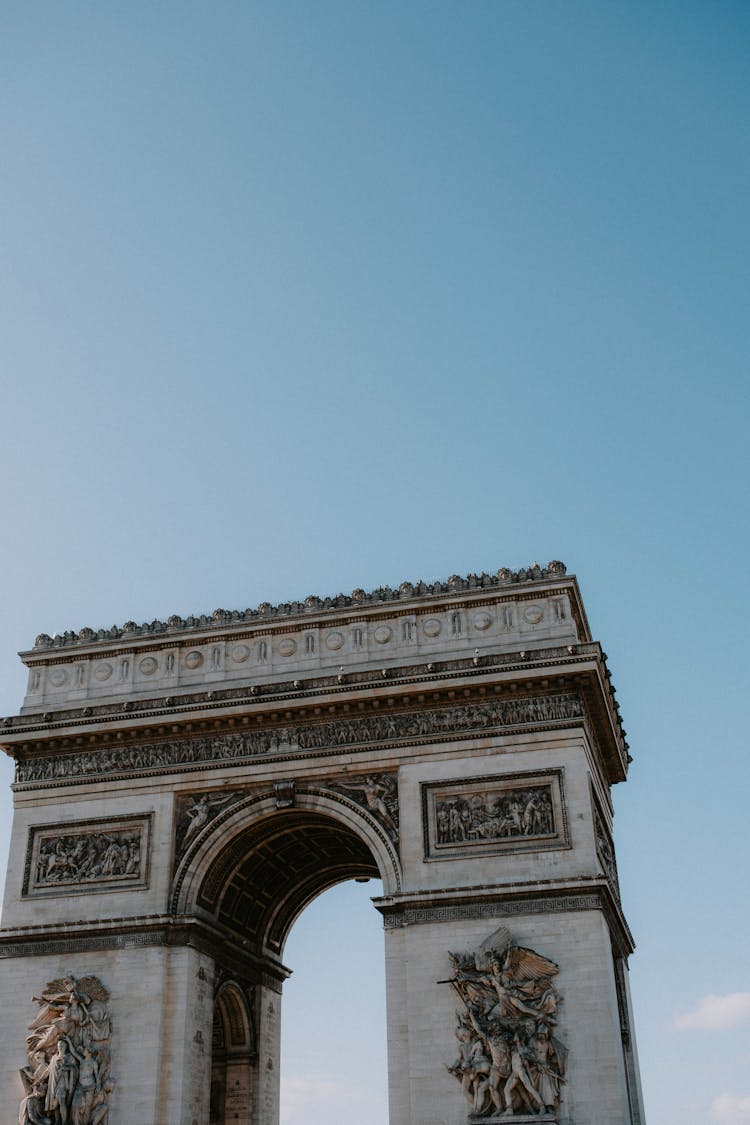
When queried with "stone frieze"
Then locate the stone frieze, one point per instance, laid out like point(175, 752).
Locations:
point(364, 731)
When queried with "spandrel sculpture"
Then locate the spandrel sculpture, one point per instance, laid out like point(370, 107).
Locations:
point(67, 1079)
point(510, 1062)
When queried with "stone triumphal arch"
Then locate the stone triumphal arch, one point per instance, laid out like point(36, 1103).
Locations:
point(185, 788)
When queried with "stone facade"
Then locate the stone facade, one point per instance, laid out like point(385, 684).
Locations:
point(184, 789)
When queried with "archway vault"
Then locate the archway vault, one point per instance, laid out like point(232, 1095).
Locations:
point(256, 868)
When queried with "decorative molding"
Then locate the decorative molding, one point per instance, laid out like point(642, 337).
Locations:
point(312, 738)
point(396, 916)
point(72, 858)
point(243, 801)
point(138, 932)
point(493, 815)
point(206, 699)
point(312, 604)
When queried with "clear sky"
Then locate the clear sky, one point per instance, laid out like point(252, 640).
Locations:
point(299, 297)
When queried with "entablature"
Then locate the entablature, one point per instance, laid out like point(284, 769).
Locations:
point(422, 704)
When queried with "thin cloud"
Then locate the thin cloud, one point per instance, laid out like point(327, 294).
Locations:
point(714, 1013)
point(728, 1109)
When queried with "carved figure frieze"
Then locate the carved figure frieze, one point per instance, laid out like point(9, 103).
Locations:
point(106, 854)
point(378, 793)
point(427, 724)
point(67, 1079)
point(193, 811)
point(510, 1062)
point(493, 813)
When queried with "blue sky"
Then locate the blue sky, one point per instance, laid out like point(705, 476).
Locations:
point(302, 297)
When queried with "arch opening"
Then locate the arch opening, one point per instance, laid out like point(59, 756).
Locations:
point(334, 1064)
point(273, 867)
point(233, 1052)
point(257, 877)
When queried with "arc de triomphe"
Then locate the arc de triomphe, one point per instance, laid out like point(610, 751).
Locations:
point(184, 788)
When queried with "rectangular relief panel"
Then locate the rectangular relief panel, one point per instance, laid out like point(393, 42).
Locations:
point(108, 854)
point(494, 814)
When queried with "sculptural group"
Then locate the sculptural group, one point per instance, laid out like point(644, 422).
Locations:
point(510, 1062)
point(67, 1079)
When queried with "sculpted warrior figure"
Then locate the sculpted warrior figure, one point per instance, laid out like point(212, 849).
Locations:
point(88, 1083)
point(61, 1081)
point(494, 1037)
point(520, 1079)
point(548, 1066)
point(31, 1111)
point(472, 1065)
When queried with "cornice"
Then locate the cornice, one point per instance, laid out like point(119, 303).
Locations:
point(269, 614)
point(203, 934)
point(215, 700)
point(508, 899)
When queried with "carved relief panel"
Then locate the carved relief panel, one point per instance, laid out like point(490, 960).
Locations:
point(94, 855)
point(510, 1062)
point(490, 815)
